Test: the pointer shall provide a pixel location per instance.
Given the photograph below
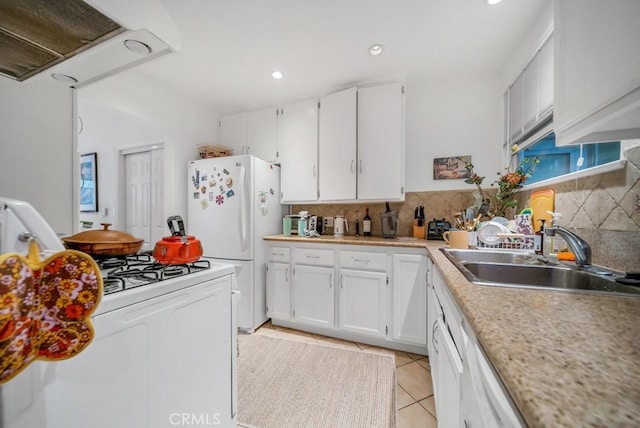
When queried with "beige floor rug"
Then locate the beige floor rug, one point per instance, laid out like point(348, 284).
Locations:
point(283, 383)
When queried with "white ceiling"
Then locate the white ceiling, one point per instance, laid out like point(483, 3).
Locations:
point(230, 47)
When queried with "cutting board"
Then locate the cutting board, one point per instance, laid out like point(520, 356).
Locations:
point(540, 202)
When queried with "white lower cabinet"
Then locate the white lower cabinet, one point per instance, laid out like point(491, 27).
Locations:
point(410, 298)
point(352, 292)
point(467, 391)
point(313, 295)
point(363, 302)
point(278, 290)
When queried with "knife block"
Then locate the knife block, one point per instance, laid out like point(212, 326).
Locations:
point(419, 231)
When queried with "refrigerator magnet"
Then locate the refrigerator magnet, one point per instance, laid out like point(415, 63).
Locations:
point(225, 171)
point(230, 193)
point(211, 196)
point(196, 195)
point(203, 189)
point(204, 204)
point(229, 182)
point(220, 199)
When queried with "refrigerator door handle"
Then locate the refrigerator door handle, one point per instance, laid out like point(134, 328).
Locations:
point(244, 218)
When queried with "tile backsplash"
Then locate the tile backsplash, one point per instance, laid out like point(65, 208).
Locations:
point(603, 209)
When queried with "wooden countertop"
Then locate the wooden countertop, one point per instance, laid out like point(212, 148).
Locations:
point(567, 359)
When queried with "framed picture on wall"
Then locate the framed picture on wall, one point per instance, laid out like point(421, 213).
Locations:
point(450, 168)
point(89, 182)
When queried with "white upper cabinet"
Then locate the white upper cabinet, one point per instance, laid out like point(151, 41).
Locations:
point(262, 134)
point(597, 70)
point(381, 142)
point(516, 109)
point(232, 132)
point(337, 146)
point(531, 95)
point(545, 79)
point(298, 145)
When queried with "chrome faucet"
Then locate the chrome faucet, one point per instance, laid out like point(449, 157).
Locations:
point(579, 246)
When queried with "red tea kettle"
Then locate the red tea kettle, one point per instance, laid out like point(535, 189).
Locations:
point(179, 248)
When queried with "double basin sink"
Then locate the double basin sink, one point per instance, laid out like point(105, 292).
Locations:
point(526, 270)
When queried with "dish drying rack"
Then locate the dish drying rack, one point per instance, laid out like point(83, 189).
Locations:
point(508, 241)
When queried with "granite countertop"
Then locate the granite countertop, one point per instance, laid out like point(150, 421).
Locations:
point(401, 241)
point(567, 359)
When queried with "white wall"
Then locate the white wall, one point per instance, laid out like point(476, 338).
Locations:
point(37, 158)
point(106, 131)
point(155, 114)
point(458, 117)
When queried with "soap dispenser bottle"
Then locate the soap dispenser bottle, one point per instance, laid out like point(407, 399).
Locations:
point(539, 239)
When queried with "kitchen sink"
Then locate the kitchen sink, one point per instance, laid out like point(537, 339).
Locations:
point(523, 270)
point(516, 257)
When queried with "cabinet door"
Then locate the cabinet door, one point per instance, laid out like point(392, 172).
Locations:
point(409, 298)
point(278, 291)
point(262, 134)
point(298, 145)
point(545, 79)
point(530, 100)
point(313, 295)
point(233, 132)
point(363, 302)
point(381, 143)
point(337, 146)
point(597, 64)
point(448, 399)
point(516, 108)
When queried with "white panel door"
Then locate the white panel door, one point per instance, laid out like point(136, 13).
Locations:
point(298, 145)
point(278, 291)
point(313, 295)
point(363, 302)
point(262, 134)
point(158, 220)
point(381, 143)
point(233, 132)
point(337, 146)
point(138, 196)
point(410, 298)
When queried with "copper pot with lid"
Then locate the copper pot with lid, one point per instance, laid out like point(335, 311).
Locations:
point(104, 243)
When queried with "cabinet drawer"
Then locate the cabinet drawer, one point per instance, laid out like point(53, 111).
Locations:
point(278, 254)
point(362, 260)
point(307, 256)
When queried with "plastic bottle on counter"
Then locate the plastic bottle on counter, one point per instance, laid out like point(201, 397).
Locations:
point(357, 227)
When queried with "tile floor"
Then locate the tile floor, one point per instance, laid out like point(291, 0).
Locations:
point(416, 407)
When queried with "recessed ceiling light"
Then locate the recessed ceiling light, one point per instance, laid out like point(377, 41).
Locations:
point(64, 78)
point(493, 1)
point(376, 49)
point(137, 47)
point(277, 74)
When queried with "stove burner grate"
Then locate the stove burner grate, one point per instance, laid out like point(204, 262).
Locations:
point(140, 269)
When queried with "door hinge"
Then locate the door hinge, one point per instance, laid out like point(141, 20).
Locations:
point(277, 112)
point(318, 193)
point(318, 104)
point(387, 279)
point(277, 154)
point(402, 190)
point(267, 268)
point(386, 330)
point(293, 270)
point(402, 89)
point(294, 313)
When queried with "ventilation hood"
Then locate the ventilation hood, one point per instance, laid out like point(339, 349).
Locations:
point(82, 41)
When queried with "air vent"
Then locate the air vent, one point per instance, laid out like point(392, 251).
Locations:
point(38, 34)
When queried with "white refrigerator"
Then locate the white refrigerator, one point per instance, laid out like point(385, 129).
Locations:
point(232, 203)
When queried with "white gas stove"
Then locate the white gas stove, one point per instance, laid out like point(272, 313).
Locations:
point(164, 346)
